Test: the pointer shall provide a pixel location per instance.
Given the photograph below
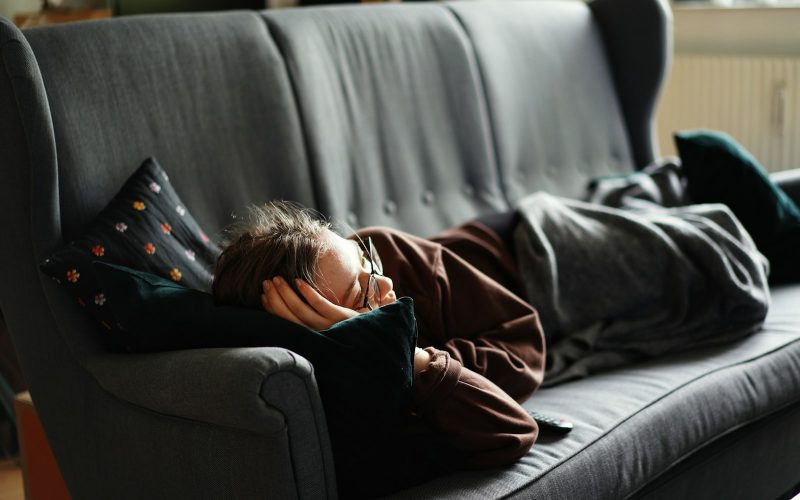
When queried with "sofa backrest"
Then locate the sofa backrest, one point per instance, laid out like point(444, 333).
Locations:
point(423, 116)
point(555, 115)
point(413, 116)
point(207, 95)
point(393, 112)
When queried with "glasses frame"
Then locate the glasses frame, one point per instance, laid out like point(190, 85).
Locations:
point(375, 269)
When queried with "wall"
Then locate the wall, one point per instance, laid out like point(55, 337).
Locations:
point(737, 70)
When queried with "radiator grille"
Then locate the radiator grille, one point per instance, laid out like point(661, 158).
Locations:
point(755, 99)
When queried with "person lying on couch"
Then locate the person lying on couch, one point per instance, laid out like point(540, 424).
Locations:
point(483, 345)
point(610, 286)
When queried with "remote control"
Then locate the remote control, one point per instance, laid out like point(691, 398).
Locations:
point(555, 424)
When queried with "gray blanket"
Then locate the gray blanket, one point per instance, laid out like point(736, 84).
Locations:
point(616, 285)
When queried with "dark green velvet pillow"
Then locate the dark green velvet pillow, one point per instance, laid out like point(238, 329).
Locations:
point(719, 170)
point(363, 366)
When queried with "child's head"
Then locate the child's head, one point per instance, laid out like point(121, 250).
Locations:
point(275, 239)
point(285, 240)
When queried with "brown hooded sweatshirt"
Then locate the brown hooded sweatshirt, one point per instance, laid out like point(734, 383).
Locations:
point(486, 343)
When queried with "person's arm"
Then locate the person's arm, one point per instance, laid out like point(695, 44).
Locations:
point(481, 323)
point(492, 331)
point(481, 424)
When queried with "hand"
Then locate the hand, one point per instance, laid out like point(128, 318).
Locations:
point(421, 360)
point(318, 314)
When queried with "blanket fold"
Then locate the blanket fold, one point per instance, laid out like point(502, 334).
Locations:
point(616, 285)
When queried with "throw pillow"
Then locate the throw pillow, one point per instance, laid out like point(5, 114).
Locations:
point(363, 366)
point(145, 226)
point(719, 170)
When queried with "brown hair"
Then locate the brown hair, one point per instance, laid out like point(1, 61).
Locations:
point(278, 238)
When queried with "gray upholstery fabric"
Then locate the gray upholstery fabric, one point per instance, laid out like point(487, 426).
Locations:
point(128, 452)
point(78, 119)
point(555, 115)
point(205, 94)
point(179, 383)
point(751, 455)
point(251, 390)
point(633, 424)
point(638, 40)
point(393, 113)
point(139, 95)
point(789, 181)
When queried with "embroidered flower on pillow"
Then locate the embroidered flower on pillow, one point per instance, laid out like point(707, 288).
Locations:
point(73, 275)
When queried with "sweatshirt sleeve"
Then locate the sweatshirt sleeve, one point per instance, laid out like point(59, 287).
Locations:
point(479, 421)
point(480, 322)
point(492, 331)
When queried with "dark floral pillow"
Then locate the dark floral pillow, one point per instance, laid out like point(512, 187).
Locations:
point(146, 226)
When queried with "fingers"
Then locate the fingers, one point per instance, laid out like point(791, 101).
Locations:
point(287, 304)
point(273, 303)
point(390, 297)
point(318, 314)
point(325, 308)
point(421, 360)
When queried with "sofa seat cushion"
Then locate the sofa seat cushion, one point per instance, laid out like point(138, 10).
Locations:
point(633, 424)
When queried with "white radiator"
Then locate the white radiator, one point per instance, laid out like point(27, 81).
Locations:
point(755, 99)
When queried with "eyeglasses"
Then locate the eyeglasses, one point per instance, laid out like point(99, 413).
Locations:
point(375, 269)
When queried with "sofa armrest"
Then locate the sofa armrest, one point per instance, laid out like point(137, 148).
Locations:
point(789, 181)
point(261, 390)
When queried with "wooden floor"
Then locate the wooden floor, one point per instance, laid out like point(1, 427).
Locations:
point(10, 481)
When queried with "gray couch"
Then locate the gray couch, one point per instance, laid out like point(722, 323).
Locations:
point(417, 116)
